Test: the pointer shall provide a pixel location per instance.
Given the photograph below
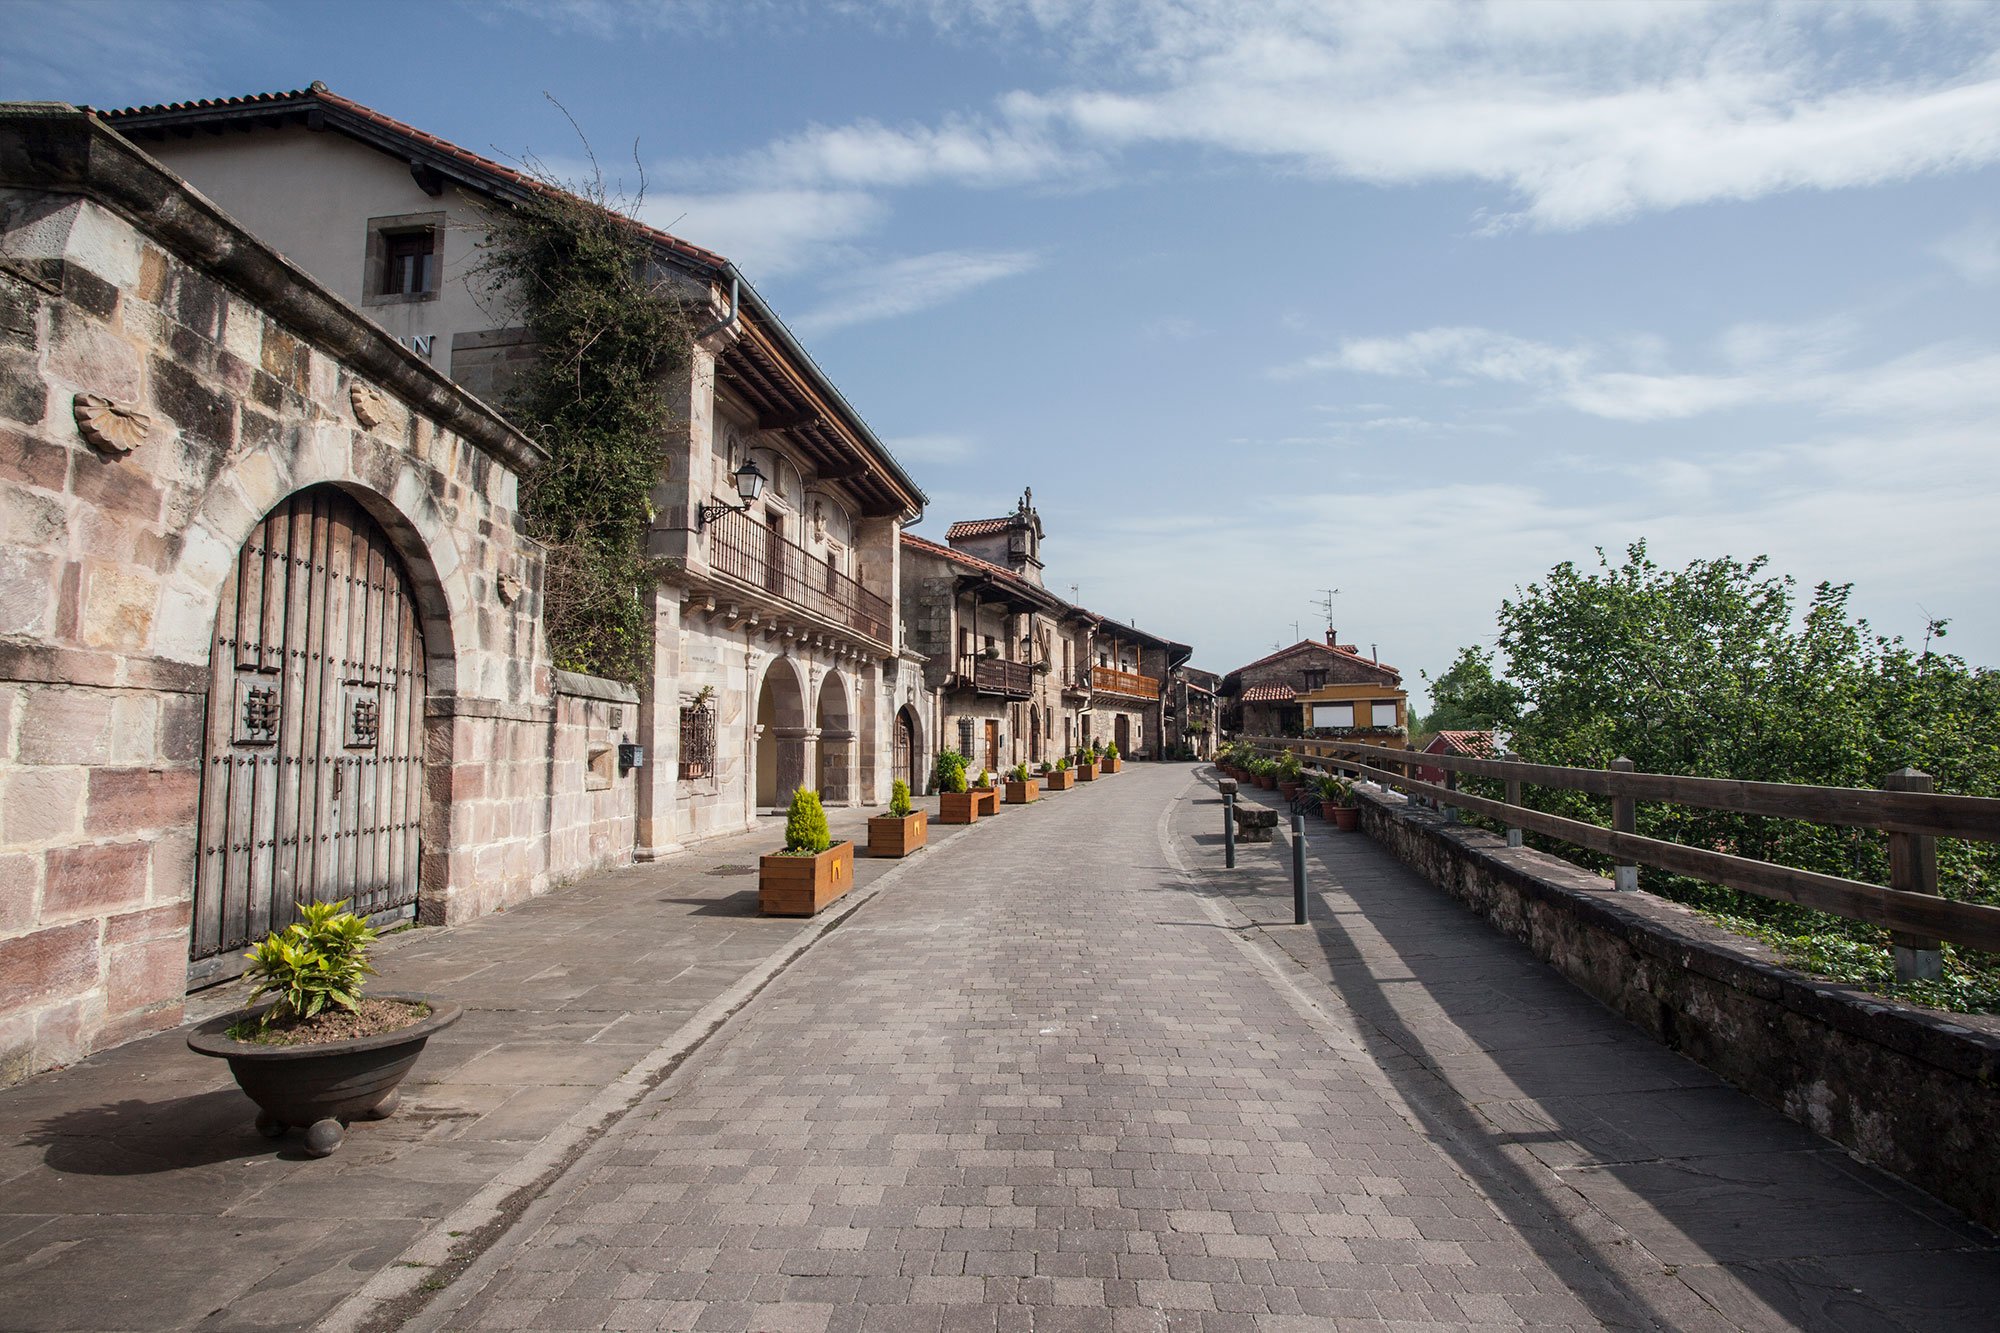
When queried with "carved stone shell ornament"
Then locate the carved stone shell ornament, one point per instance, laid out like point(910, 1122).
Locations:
point(115, 428)
point(370, 408)
point(511, 588)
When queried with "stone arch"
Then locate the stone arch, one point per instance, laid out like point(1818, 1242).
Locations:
point(834, 717)
point(911, 753)
point(781, 733)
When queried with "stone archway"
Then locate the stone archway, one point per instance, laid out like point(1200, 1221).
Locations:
point(909, 749)
point(781, 735)
point(836, 741)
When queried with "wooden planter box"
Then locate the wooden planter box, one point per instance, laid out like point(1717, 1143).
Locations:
point(897, 835)
point(1113, 765)
point(957, 807)
point(989, 799)
point(1085, 772)
point(1060, 779)
point(801, 885)
point(1020, 793)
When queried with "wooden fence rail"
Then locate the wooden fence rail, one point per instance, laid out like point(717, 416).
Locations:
point(1915, 913)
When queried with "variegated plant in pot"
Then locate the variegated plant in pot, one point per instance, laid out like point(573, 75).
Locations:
point(321, 1054)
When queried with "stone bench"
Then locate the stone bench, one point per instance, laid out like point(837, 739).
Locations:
point(1254, 823)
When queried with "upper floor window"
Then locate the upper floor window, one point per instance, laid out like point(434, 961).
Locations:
point(405, 258)
point(411, 267)
point(1315, 677)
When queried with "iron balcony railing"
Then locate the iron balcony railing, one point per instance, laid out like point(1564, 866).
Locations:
point(745, 549)
point(993, 675)
point(1113, 681)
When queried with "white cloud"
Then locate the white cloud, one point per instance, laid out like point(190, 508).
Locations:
point(937, 448)
point(769, 233)
point(904, 286)
point(1769, 365)
point(868, 154)
point(1973, 252)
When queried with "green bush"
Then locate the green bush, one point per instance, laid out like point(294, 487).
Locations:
point(1062, 764)
point(1334, 789)
point(985, 778)
point(951, 771)
point(899, 798)
point(806, 833)
point(316, 963)
point(1020, 773)
point(1289, 767)
point(1111, 750)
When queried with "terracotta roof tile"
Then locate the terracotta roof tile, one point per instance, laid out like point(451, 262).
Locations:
point(977, 527)
point(1269, 694)
point(1473, 744)
point(1321, 646)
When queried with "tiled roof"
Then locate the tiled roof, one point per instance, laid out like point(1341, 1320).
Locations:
point(1320, 645)
point(973, 562)
point(977, 527)
point(1474, 744)
point(473, 161)
point(1269, 694)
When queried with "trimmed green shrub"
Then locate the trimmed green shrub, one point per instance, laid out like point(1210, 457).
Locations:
point(899, 798)
point(806, 833)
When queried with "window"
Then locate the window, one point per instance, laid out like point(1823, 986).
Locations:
point(1333, 715)
point(410, 263)
point(1385, 713)
point(697, 742)
point(965, 737)
point(1315, 678)
point(832, 571)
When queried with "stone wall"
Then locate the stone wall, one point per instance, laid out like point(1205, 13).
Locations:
point(592, 815)
point(165, 381)
point(1909, 1089)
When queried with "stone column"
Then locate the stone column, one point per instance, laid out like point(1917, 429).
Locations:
point(659, 729)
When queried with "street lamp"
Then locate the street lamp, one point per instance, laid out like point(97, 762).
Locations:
point(749, 485)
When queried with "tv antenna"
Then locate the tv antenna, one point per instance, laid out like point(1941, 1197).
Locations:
point(1325, 603)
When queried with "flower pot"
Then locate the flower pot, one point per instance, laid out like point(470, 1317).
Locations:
point(1085, 772)
point(989, 799)
point(801, 885)
point(1288, 790)
point(320, 1087)
point(1060, 779)
point(1113, 763)
point(1020, 793)
point(957, 807)
point(1327, 811)
point(897, 835)
point(1346, 818)
point(1266, 783)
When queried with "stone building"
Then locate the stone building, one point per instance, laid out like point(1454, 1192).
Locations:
point(777, 654)
point(268, 622)
point(1190, 712)
point(1018, 674)
point(1277, 695)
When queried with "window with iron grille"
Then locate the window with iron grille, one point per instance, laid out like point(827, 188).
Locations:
point(965, 737)
point(697, 742)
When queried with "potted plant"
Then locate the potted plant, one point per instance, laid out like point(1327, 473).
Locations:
point(1021, 788)
point(1112, 763)
point(1062, 777)
point(813, 869)
point(1290, 773)
point(1086, 765)
point(321, 1054)
point(956, 805)
point(1264, 772)
point(1337, 802)
point(986, 793)
point(902, 830)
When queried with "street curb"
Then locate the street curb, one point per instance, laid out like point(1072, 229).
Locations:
point(467, 1243)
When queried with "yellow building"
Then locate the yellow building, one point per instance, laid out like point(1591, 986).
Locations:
point(1361, 711)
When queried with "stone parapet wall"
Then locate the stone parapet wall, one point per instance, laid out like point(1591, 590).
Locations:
point(1909, 1089)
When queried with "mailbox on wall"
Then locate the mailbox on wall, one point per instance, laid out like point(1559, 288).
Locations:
point(631, 757)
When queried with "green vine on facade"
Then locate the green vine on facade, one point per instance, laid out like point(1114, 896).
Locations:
point(609, 338)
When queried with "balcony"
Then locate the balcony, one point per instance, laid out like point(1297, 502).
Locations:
point(993, 675)
point(1110, 680)
point(749, 552)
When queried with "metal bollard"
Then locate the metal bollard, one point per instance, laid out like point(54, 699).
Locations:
point(1298, 870)
point(1229, 830)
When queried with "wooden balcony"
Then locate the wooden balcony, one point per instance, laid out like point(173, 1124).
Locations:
point(1113, 681)
point(747, 550)
point(993, 675)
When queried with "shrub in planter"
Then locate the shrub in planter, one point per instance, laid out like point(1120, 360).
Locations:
point(1337, 803)
point(1112, 762)
point(1062, 777)
point(813, 870)
point(956, 805)
point(902, 830)
point(1021, 788)
point(321, 1054)
point(1290, 774)
point(987, 794)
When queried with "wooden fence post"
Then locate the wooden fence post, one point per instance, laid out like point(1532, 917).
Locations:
point(1450, 784)
point(1513, 798)
point(1409, 771)
point(1913, 869)
point(1624, 819)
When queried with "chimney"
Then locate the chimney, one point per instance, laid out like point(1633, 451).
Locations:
point(1331, 637)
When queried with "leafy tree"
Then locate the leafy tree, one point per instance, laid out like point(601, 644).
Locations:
point(1469, 697)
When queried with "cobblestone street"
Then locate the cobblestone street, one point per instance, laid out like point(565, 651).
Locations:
point(1041, 1085)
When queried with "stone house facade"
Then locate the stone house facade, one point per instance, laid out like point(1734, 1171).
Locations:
point(1018, 674)
point(268, 622)
point(777, 654)
point(1264, 697)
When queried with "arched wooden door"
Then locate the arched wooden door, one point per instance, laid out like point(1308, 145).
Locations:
point(312, 771)
point(906, 751)
point(1122, 733)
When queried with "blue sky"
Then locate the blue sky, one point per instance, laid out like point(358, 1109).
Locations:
point(1409, 301)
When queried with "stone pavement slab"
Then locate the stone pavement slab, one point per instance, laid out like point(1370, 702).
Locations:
point(1045, 1086)
point(136, 1194)
point(1664, 1173)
